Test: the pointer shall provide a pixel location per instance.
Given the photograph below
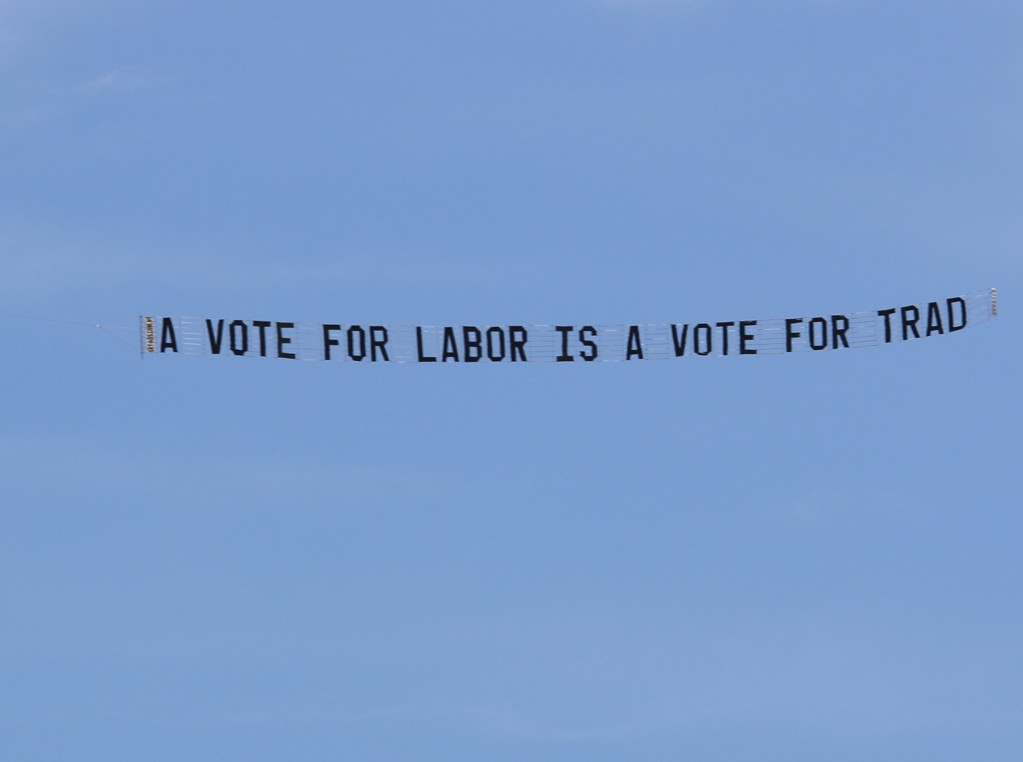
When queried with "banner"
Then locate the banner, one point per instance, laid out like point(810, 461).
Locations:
point(364, 343)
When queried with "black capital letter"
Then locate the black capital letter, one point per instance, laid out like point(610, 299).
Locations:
point(564, 330)
point(282, 340)
point(239, 349)
point(517, 338)
point(745, 337)
point(679, 341)
point(839, 328)
point(217, 339)
point(588, 330)
point(472, 343)
point(724, 335)
point(356, 342)
point(887, 315)
point(167, 338)
point(789, 333)
point(952, 324)
point(378, 340)
point(822, 324)
point(419, 347)
point(328, 340)
point(634, 346)
point(262, 325)
point(909, 323)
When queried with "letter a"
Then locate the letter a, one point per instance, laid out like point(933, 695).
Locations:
point(634, 347)
point(167, 338)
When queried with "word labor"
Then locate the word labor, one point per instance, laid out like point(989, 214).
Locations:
point(472, 344)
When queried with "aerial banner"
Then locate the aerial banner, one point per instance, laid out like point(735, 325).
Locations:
point(365, 343)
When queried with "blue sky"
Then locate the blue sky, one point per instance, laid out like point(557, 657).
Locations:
point(793, 558)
